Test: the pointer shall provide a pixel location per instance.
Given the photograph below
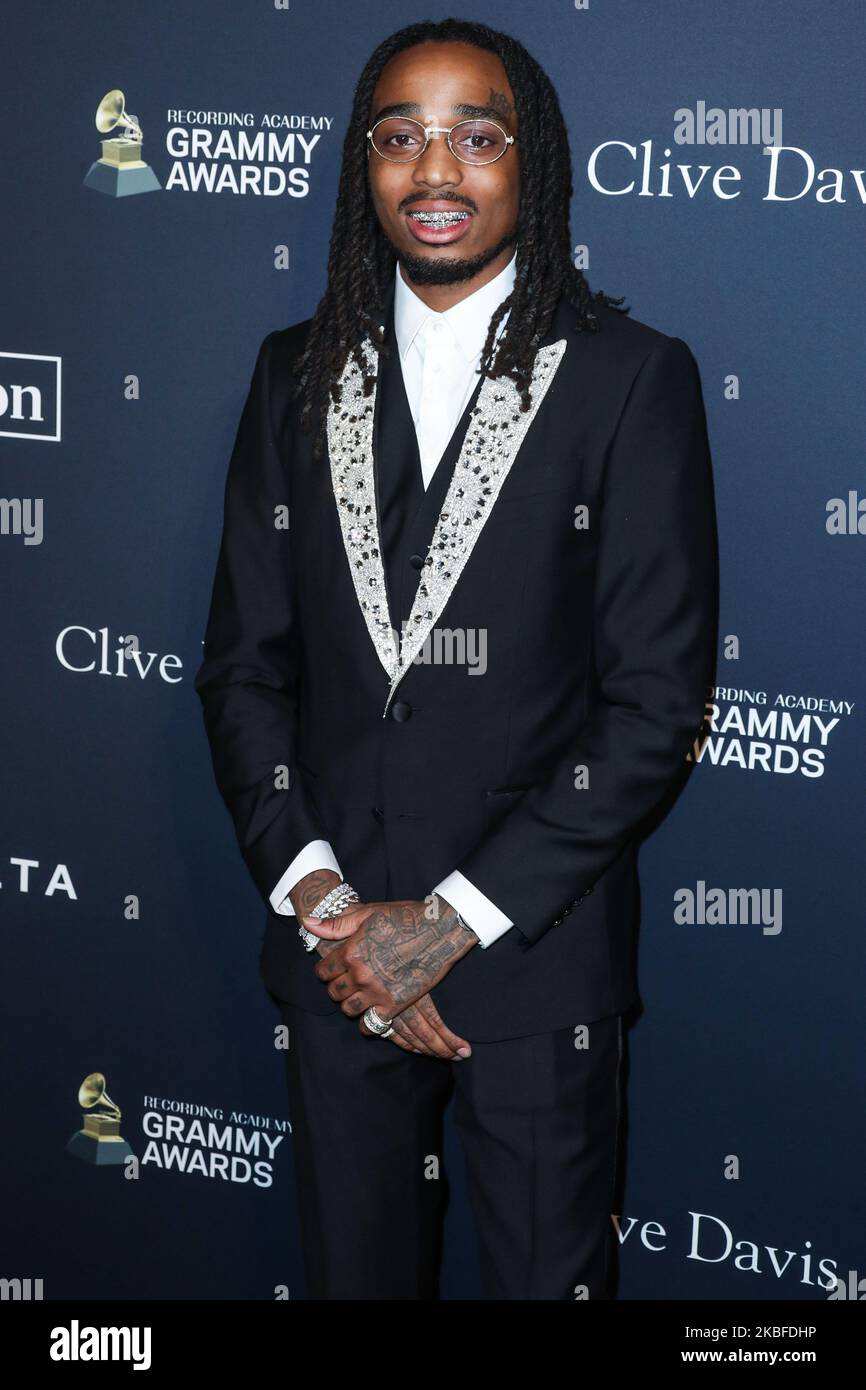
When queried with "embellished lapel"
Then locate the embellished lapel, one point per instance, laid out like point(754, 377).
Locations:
point(493, 437)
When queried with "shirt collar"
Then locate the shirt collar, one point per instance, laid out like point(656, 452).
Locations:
point(468, 320)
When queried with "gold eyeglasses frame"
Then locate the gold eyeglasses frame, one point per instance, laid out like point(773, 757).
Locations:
point(441, 130)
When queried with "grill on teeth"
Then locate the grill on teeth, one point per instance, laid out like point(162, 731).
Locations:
point(434, 217)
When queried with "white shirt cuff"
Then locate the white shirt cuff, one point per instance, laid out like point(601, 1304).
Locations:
point(478, 912)
point(315, 855)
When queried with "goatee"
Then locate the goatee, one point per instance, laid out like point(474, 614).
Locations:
point(447, 270)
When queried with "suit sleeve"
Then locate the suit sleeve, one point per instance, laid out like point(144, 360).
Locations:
point(654, 616)
point(249, 679)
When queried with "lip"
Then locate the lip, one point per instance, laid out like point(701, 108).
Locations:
point(437, 236)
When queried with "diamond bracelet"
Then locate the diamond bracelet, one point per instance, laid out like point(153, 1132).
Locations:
point(331, 905)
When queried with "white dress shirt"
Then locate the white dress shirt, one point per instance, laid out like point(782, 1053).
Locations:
point(439, 355)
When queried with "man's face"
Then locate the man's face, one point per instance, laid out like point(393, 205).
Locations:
point(434, 83)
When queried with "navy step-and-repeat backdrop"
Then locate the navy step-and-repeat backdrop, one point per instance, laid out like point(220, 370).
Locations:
point(719, 155)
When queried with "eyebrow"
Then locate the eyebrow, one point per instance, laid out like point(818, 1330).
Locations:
point(462, 108)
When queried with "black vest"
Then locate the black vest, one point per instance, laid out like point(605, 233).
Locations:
point(407, 514)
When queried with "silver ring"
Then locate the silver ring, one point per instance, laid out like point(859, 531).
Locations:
point(380, 1026)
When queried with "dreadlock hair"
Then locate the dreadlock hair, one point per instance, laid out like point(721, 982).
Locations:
point(361, 261)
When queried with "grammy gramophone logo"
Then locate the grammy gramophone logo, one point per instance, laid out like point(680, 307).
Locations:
point(121, 169)
point(99, 1140)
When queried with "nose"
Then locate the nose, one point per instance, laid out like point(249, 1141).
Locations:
point(437, 165)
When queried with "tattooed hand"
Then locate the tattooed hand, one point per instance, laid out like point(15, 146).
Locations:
point(389, 954)
point(419, 1028)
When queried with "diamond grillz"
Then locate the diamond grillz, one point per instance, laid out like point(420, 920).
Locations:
point(439, 218)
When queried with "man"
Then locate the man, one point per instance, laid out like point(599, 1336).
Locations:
point(473, 448)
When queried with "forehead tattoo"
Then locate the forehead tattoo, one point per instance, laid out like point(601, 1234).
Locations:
point(500, 101)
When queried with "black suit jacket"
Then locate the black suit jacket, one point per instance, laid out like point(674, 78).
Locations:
point(600, 629)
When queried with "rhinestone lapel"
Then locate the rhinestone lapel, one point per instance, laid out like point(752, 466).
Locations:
point(495, 432)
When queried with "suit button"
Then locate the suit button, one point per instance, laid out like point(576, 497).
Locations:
point(378, 813)
point(416, 561)
point(401, 711)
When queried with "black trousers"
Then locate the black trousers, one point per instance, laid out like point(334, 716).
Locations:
point(538, 1119)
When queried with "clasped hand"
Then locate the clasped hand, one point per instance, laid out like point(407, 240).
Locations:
point(389, 955)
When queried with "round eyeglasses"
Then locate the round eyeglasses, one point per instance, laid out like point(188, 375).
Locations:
point(400, 140)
